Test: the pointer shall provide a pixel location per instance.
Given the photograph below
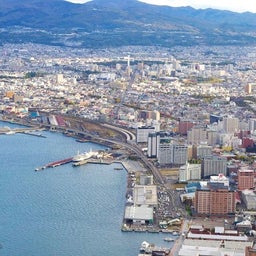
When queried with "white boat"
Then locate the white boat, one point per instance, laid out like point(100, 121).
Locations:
point(84, 156)
point(168, 239)
point(175, 233)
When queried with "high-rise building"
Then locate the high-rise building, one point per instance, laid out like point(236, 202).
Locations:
point(185, 126)
point(248, 88)
point(252, 124)
point(212, 137)
point(214, 165)
point(145, 114)
point(197, 135)
point(179, 154)
point(230, 124)
point(142, 133)
point(189, 172)
point(60, 78)
point(215, 200)
point(203, 151)
point(152, 145)
point(245, 179)
point(161, 145)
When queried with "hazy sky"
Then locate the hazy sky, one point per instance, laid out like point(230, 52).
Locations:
point(237, 6)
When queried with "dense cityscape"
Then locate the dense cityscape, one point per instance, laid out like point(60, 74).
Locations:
point(191, 113)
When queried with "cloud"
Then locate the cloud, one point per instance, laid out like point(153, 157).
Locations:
point(236, 6)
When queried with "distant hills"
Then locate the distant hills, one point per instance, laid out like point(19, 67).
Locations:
point(102, 23)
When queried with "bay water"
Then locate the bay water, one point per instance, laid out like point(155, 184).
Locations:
point(61, 211)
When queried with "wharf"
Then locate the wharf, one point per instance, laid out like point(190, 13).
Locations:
point(56, 163)
point(95, 161)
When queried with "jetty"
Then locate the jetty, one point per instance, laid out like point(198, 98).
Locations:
point(56, 163)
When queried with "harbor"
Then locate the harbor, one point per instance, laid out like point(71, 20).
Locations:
point(80, 159)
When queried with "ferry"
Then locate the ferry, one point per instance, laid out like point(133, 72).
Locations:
point(84, 156)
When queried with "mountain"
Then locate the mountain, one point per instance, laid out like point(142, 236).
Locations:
point(101, 23)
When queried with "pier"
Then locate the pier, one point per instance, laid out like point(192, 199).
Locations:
point(56, 163)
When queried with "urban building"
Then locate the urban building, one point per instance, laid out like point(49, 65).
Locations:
point(214, 165)
point(154, 141)
point(197, 135)
point(203, 151)
point(220, 179)
point(252, 125)
point(164, 152)
point(230, 124)
point(249, 199)
point(245, 179)
point(145, 195)
point(146, 179)
point(185, 126)
point(250, 250)
point(179, 154)
point(215, 118)
point(142, 133)
point(212, 137)
point(189, 172)
point(216, 199)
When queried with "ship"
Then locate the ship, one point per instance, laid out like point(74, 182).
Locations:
point(168, 239)
point(84, 156)
point(151, 249)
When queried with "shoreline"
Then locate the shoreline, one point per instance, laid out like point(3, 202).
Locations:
point(128, 165)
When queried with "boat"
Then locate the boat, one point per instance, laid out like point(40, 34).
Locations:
point(168, 239)
point(84, 156)
point(175, 233)
point(151, 249)
point(118, 168)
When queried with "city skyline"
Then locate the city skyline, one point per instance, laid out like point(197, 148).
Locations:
point(238, 6)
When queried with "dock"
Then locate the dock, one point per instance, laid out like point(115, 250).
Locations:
point(56, 163)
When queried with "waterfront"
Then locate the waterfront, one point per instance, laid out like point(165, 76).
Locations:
point(64, 210)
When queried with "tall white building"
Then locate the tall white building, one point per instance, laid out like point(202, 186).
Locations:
point(60, 78)
point(154, 140)
point(189, 172)
point(252, 125)
point(142, 133)
point(230, 124)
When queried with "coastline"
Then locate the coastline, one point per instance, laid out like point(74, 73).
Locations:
point(130, 166)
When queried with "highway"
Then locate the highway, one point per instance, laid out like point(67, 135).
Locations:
point(131, 145)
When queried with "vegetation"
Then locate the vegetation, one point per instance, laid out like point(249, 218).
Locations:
point(110, 24)
point(33, 74)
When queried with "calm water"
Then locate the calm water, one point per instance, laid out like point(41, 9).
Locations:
point(62, 211)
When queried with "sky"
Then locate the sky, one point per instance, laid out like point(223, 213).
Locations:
point(231, 5)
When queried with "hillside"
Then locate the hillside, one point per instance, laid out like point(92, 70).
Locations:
point(101, 23)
